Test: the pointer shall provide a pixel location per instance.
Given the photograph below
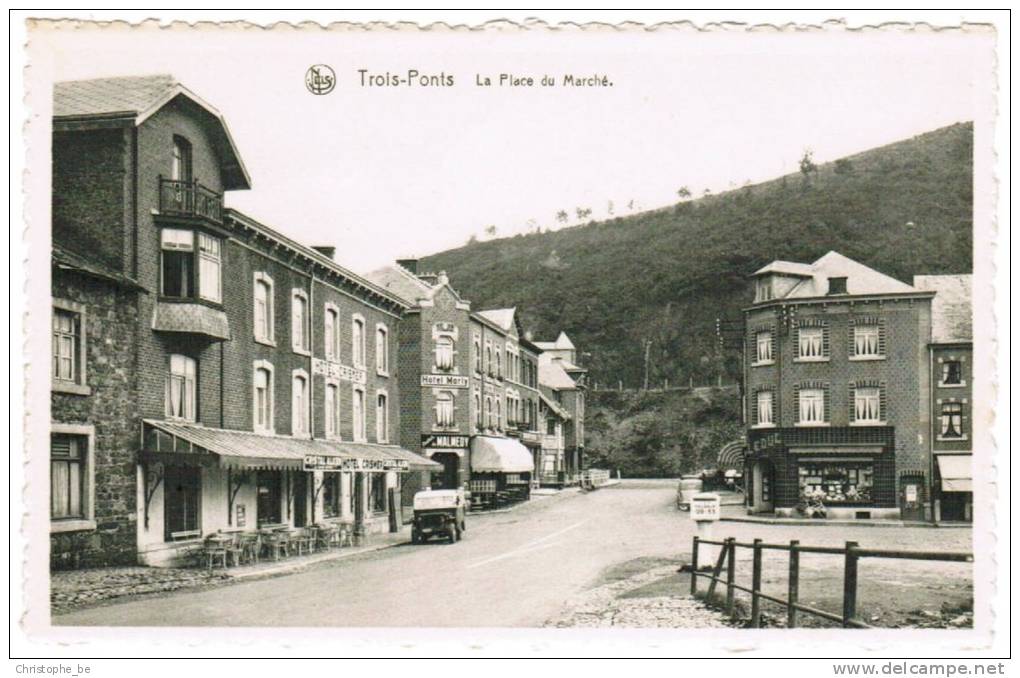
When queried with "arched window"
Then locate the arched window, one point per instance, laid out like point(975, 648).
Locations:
point(444, 410)
point(299, 395)
point(263, 312)
point(262, 397)
point(444, 353)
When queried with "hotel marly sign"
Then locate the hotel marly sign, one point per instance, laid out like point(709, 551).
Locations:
point(444, 380)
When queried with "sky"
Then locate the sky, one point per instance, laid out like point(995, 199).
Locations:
point(389, 172)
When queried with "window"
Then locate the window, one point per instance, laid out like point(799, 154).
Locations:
point(299, 403)
point(846, 482)
point(837, 285)
point(382, 350)
point(499, 413)
point(68, 347)
point(509, 410)
point(180, 388)
point(810, 343)
point(358, 341)
point(209, 261)
point(952, 373)
point(358, 409)
point(299, 321)
point(377, 492)
point(764, 344)
point(263, 308)
point(951, 421)
point(867, 408)
point(866, 341)
point(445, 410)
point(178, 257)
point(180, 167)
point(812, 406)
point(68, 474)
point(182, 491)
point(444, 353)
point(382, 418)
point(479, 421)
point(764, 290)
point(263, 397)
point(765, 415)
point(550, 427)
point(331, 333)
point(478, 354)
point(499, 364)
point(331, 495)
point(269, 496)
point(332, 410)
point(488, 358)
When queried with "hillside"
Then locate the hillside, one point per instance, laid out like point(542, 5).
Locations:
point(660, 434)
point(665, 276)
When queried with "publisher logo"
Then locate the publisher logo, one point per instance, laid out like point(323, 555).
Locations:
point(320, 79)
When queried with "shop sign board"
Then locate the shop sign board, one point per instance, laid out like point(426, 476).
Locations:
point(444, 380)
point(337, 371)
point(443, 441)
point(319, 462)
point(705, 507)
point(240, 519)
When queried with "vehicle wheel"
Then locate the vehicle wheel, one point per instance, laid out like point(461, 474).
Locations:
point(453, 535)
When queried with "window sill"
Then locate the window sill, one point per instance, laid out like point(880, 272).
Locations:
point(301, 351)
point(264, 431)
point(756, 427)
point(869, 423)
point(264, 341)
point(950, 439)
point(74, 525)
point(865, 358)
point(763, 363)
point(812, 424)
point(962, 384)
point(382, 373)
point(71, 388)
point(810, 360)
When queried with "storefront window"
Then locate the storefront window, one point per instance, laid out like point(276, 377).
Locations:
point(331, 495)
point(269, 497)
point(182, 490)
point(845, 482)
point(377, 492)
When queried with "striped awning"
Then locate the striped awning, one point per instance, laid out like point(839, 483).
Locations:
point(731, 455)
point(193, 444)
point(955, 471)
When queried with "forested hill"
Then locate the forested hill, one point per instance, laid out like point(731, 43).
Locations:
point(664, 276)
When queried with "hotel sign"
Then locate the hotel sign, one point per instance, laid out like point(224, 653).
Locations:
point(444, 380)
point(339, 372)
point(320, 462)
point(443, 441)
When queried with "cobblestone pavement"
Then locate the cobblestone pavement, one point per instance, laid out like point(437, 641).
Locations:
point(76, 588)
point(603, 606)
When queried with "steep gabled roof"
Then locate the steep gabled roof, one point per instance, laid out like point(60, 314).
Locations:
point(82, 104)
point(951, 309)
point(553, 375)
point(555, 407)
point(562, 343)
point(501, 317)
point(860, 279)
point(399, 281)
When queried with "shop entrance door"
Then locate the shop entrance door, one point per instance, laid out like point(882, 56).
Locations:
point(300, 499)
point(911, 497)
point(448, 478)
point(270, 497)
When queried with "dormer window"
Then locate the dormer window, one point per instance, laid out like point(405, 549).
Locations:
point(763, 290)
point(837, 285)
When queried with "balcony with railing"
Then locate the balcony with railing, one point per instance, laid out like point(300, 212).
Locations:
point(189, 199)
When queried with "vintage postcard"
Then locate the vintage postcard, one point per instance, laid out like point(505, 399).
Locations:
point(650, 336)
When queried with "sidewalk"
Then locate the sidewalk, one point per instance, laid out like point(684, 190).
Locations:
point(71, 589)
point(736, 513)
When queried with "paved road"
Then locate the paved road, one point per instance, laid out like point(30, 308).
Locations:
point(520, 568)
point(511, 569)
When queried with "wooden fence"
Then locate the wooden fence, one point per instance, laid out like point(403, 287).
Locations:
point(851, 553)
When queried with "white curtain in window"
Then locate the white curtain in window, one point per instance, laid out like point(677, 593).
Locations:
point(330, 334)
point(765, 407)
point(866, 340)
point(444, 410)
point(812, 405)
point(299, 322)
point(263, 329)
point(300, 401)
point(181, 388)
point(359, 415)
point(764, 346)
point(866, 404)
point(810, 342)
point(382, 350)
point(358, 337)
point(209, 282)
point(444, 353)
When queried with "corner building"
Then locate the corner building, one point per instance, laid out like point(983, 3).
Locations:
point(837, 384)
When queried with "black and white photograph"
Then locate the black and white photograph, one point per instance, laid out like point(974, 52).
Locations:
point(371, 339)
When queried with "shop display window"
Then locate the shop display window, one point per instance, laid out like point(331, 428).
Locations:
point(846, 482)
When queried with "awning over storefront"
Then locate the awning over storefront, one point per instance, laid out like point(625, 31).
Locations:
point(956, 473)
point(192, 444)
point(731, 455)
point(500, 455)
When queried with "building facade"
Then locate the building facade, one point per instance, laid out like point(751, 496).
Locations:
point(469, 381)
point(952, 379)
point(837, 380)
point(564, 383)
point(264, 387)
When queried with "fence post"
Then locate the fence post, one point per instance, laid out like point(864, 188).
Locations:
point(694, 566)
point(731, 573)
point(794, 585)
point(756, 586)
point(850, 583)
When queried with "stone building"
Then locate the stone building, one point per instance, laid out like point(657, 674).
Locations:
point(564, 383)
point(469, 384)
point(952, 401)
point(837, 384)
point(263, 387)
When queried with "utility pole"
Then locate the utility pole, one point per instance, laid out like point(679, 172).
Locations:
point(648, 350)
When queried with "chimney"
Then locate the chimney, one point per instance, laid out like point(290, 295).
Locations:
point(327, 251)
point(410, 264)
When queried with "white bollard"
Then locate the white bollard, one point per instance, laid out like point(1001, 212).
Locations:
point(705, 509)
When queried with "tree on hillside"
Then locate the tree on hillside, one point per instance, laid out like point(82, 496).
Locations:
point(683, 193)
point(472, 239)
point(582, 213)
point(562, 216)
point(807, 164)
point(490, 230)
